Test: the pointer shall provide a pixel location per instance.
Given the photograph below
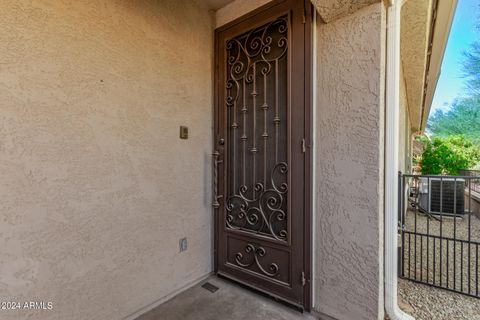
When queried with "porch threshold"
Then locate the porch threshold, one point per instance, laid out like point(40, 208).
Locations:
point(231, 301)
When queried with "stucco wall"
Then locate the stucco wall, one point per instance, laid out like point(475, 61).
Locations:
point(97, 188)
point(236, 9)
point(349, 159)
point(416, 18)
point(328, 10)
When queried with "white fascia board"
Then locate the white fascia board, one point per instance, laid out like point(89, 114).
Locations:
point(443, 25)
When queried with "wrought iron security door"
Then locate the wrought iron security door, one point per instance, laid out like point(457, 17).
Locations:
point(259, 161)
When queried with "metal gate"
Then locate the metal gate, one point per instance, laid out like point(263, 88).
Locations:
point(261, 157)
point(439, 224)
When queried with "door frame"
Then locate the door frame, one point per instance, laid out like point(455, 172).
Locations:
point(308, 134)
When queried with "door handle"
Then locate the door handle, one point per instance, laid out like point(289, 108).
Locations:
point(216, 196)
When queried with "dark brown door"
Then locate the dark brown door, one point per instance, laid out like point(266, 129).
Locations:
point(261, 150)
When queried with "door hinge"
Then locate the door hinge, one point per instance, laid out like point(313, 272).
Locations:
point(304, 280)
point(304, 146)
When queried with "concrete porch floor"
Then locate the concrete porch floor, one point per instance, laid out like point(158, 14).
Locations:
point(229, 302)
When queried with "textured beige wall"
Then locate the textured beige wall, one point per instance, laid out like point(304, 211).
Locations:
point(96, 186)
point(330, 10)
point(415, 30)
point(349, 152)
point(236, 9)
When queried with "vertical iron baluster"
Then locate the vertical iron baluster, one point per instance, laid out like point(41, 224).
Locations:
point(409, 254)
point(476, 270)
point(276, 119)
point(428, 228)
point(441, 228)
point(233, 144)
point(455, 234)
point(415, 228)
point(461, 266)
point(254, 135)
point(448, 271)
point(469, 231)
point(421, 257)
point(265, 134)
point(228, 133)
point(434, 260)
point(244, 135)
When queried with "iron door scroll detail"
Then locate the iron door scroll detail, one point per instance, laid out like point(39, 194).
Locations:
point(257, 102)
point(265, 212)
point(254, 254)
point(261, 189)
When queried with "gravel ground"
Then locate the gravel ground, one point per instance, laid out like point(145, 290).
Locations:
point(446, 263)
point(429, 303)
point(448, 225)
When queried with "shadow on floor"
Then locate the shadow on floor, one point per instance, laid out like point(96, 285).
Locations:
point(229, 302)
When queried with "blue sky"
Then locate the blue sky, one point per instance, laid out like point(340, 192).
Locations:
point(464, 32)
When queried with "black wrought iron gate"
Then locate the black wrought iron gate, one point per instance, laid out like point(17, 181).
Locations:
point(439, 224)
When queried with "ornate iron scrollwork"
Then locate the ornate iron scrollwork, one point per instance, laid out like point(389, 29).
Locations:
point(254, 254)
point(257, 47)
point(263, 214)
point(256, 99)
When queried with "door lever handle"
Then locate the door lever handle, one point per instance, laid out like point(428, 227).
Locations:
point(216, 161)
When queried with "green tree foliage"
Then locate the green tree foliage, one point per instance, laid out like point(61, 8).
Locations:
point(456, 133)
point(471, 67)
point(448, 155)
point(463, 118)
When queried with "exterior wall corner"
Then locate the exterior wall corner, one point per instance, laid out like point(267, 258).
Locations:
point(350, 100)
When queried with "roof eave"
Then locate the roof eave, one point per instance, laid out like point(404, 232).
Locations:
point(441, 27)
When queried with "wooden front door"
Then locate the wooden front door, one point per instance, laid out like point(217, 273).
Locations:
point(261, 151)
